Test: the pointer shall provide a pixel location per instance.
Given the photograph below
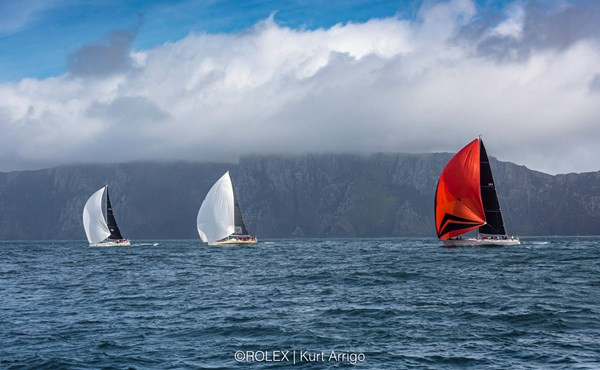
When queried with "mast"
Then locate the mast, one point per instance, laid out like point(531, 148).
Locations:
point(115, 233)
point(240, 226)
point(494, 224)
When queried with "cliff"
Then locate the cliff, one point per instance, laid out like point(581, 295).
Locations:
point(317, 195)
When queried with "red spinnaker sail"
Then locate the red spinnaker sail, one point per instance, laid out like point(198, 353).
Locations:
point(458, 206)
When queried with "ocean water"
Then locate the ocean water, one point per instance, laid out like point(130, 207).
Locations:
point(377, 303)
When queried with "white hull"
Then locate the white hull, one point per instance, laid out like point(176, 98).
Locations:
point(479, 242)
point(116, 243)
point(246, 239)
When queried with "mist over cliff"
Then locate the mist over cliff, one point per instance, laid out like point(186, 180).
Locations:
point(315, 195)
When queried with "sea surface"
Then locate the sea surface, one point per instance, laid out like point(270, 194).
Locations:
point(377, 303)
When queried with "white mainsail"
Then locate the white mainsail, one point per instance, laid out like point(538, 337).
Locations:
point(94, 223)
point(216, 217)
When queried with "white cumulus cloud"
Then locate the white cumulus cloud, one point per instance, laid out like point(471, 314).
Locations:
point(384, 85)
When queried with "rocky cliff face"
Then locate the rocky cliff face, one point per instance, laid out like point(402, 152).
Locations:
point(340, 195)
point(150, 200)
point(321, 195)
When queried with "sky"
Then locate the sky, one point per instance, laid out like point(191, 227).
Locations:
point(117, 81)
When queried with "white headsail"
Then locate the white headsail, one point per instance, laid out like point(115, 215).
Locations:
point(216, 218)
point(94, 223)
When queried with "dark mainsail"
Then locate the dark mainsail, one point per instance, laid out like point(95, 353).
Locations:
point(240, 226)
point(115, 233)
point(493, 217)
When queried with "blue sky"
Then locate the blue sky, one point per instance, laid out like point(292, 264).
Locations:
point(39, 35)
point(171, 79)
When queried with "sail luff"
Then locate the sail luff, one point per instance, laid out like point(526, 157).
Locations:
point(493, 216)
point(111, 222)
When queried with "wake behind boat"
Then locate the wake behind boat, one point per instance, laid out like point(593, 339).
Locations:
point(219, 220)
point(101, 231)
point(466, 200)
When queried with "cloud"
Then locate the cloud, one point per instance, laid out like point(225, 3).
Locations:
point(594, 85)
point(18, 14)
point(109, 56)
point(384, 85)
point(535, 26)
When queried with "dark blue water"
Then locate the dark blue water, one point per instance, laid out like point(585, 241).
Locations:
point(399, 302)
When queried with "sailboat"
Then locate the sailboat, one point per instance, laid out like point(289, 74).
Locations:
point(466, 200)
point(220, 219)
point(101, 231)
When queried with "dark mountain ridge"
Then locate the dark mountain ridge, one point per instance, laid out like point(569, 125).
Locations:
point(314, 195)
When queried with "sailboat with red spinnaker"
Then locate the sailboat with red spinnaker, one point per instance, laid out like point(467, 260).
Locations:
point(466, 200)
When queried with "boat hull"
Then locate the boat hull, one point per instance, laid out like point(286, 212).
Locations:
point(232, 240)
point(478, 242)
point(116, 243)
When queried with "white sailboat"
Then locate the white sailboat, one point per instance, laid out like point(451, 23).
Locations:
point(220, 219)
point(101, 231)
